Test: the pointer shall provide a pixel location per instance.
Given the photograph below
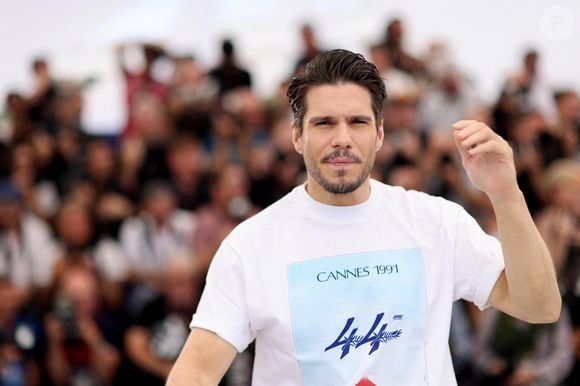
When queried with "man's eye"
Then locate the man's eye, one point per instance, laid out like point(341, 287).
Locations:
point(359, 122)
point(322, 123)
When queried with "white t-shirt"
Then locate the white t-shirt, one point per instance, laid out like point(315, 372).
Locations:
point(355, 295)
point(107, 257)
point(148, 247)
point(29, 259)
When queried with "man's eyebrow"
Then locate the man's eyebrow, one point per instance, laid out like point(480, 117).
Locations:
point(320, 118)
point(365, 118)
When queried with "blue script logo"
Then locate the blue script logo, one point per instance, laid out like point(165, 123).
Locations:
point(373, 338)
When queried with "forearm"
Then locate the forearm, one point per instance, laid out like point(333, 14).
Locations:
point(56, 364)
point(203, 361)
point(137, 343)
point(531, 279)
point(105, 361)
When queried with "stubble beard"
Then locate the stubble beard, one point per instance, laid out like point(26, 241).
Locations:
point(344, 185)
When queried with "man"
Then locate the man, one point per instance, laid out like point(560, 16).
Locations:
point(346, 281)
point(28, 252)
point(155, 340)
point(229, 74)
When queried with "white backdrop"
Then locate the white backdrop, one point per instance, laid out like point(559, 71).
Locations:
point(487, 38)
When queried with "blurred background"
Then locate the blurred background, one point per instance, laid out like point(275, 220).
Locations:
point(485, 38)
point(134, 135)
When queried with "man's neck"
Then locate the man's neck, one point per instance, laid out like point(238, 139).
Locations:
point(318, 193)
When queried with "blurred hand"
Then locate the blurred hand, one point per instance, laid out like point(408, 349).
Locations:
point(524, 375)
point(54, 330)
point(496, 367)
point(89, 331)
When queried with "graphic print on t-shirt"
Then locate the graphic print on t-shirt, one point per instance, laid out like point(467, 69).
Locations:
point(360, 319)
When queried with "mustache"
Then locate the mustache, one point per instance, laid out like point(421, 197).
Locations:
point(342, 154)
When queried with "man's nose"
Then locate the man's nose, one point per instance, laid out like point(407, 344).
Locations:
point(341, 136)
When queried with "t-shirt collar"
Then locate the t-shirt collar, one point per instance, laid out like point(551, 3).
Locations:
point(334, 213)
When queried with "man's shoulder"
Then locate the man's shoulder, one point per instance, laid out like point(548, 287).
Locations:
point(132, 225)
point(34, 225)
point(399, 193)
point(266, 219)
point(401, 199)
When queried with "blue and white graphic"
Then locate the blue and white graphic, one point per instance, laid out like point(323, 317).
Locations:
point(360, 319)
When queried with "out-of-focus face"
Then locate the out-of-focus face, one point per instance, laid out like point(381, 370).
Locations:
point(180, 287)
point(338, 141)
point(68, 109)
point(569, 107)
point(531, 62)
point(100, 160)
point(10, 299)
point(251, 108)
point(189, 72)
point(41, 69)
point(566, 195)
point(160, 206)
point(16, 105)
point(261, 160)
point(528, 127)
point(233, 183)
point(82, 288)
point(186, 160)
point(150, 118)
point(23, 157)
point(10, 212)
point(396, 30)
point(74, 226)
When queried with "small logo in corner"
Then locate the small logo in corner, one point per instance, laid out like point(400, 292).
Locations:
point(557, 23)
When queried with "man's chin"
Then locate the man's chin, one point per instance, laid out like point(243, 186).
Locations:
point(341, 185)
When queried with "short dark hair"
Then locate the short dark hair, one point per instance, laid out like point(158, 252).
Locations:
point(333, 67)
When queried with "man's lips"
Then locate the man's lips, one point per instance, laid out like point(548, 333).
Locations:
point(341, 162)
point(339, 158)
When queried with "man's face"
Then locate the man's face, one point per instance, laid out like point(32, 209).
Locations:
point(75, 228)
point(339, 137)
point(10, 213)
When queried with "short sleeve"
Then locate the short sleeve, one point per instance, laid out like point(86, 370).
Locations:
point(222, 308)
point(478, 260)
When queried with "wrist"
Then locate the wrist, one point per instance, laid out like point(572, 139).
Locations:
point(509, 197)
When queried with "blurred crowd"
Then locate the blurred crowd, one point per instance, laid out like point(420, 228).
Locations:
point(105, 241)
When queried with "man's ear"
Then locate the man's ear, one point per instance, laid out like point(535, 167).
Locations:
point(296, 139)
point(380, 136)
